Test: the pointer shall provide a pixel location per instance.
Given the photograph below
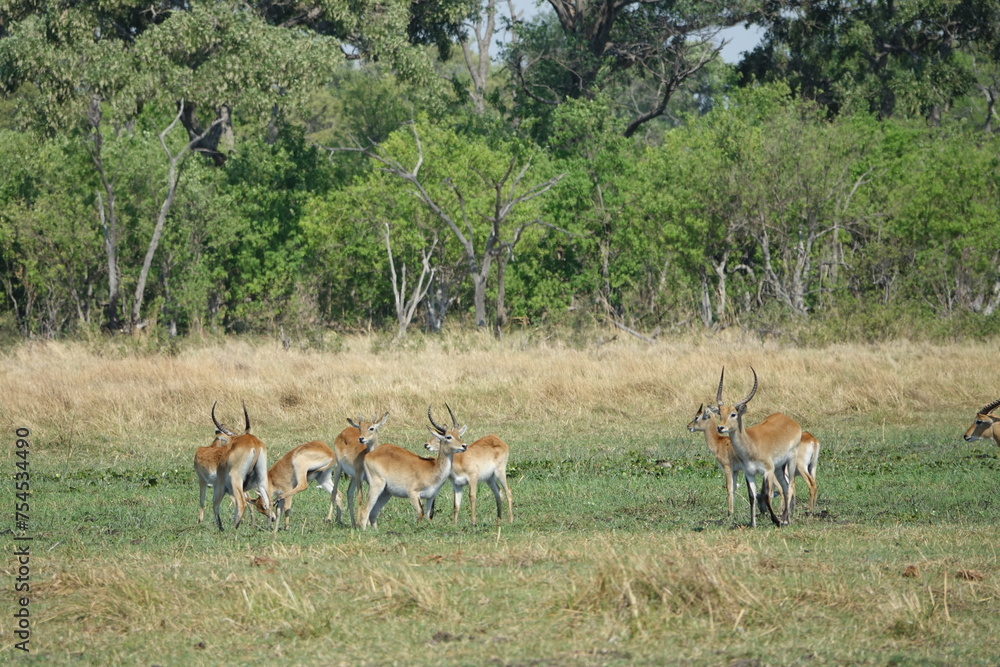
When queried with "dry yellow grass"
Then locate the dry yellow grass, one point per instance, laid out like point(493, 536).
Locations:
point(69, 392)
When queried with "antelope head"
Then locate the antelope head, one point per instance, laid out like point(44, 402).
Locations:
point(369, 429)
point(983, 425)
point(732, 417)
point(703, 415)
point(222, 433)
point(452, 436)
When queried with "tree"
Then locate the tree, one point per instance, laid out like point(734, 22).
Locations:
point(49, 255)
point(598, 45)
point(406, 304)
point(81, 67)
point(595, 198)
point(947, 222)
point(175, 162)
point(478, 192)
point(907, 59)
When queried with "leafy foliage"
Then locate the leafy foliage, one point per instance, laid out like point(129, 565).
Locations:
point(605, 168)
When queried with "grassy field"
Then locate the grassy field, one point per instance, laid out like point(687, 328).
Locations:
point(621, 552)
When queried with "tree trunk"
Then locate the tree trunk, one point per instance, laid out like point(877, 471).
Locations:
point(111, 319)
point(501, 290)
point(479, 298)
point(173, 178)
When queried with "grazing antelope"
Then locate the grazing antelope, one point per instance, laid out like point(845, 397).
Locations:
point(984, 425)
point(394, 471)
point(721, 447)
point(206, 466)
point(485, 460)
point(311, 462)
point(243, 464)
point(351, 447)
point(764, 448)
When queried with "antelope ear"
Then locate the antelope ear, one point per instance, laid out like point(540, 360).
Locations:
point(461, 431)
point(383, 420)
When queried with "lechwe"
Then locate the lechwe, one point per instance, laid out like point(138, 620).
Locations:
point(721, 447)
point(206, 465)
point(242, 465)
point(985, 425)
point(394, 471)
point(350, 448)
point(762, 449)
point(805, 465)
point(311, 462)
point(485, 460)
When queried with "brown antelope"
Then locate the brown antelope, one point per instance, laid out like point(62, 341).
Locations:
point(730, 463)
point(243, 464)
point(805, 466)
point(984, 426)
point(764, 448)
point(721, 447)
point(351, 447)
point(311, 462)
point(394, 471)
point(206, 465)
point(485, 460)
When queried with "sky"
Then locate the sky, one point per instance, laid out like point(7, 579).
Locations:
point(739, 39)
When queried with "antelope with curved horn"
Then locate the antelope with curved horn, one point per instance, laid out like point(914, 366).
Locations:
point(243, 464)
point(985, 425)
point(764, 448)
point(485, 460)
point(351, 447)
point(206, 463)
point(311, 462)
point(394, 471)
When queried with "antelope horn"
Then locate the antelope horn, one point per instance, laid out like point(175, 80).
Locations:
point(246, 417)
point(718, 393)
point(990, 407)
point(454, 422)
point(752, 391)
point(219, 427)
point(440, 429)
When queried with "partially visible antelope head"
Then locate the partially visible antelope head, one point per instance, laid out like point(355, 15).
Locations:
point(731, 417)
point(222, 432)
point(443, 434)
point(369, 429)
point(701, 419)
point(983, 426)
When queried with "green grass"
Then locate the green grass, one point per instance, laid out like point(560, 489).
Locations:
point(613, 559)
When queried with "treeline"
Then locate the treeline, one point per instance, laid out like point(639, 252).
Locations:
point(293, 167)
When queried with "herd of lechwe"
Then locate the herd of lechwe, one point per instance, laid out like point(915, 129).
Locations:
point(776, 449)
point(234, 464)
